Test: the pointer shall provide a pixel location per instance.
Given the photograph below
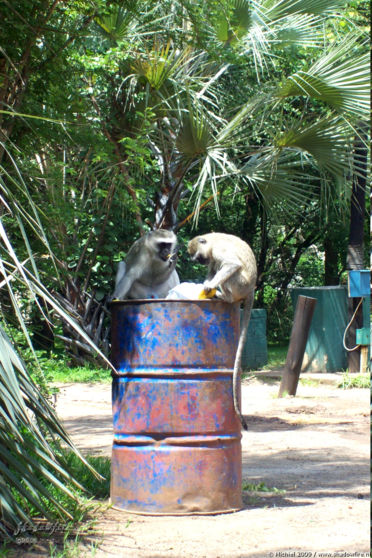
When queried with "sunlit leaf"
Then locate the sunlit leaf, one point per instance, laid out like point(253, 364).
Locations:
point(195, 135)
point(159, 64)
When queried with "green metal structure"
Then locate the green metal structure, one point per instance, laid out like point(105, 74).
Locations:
point(255, 348)
point(324, 349)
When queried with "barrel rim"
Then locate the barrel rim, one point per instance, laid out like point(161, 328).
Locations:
point(168, 300)
point(180, 513)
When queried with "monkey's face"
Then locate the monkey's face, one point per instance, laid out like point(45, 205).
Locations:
point(198, 250)
point(162, 245)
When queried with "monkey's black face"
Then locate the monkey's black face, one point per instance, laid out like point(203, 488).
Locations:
point(201, 259)
point(197, 249)
point(166, 251)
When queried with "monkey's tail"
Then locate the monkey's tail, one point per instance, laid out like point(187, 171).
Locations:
point(238, 358)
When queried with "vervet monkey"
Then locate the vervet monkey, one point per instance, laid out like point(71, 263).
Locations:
point(149, 267)
point(232, 268)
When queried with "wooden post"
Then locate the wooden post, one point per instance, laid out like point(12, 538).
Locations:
point(300, 331)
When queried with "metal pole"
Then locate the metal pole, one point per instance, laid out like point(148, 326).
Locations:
point(300, 331)
point(354, 357)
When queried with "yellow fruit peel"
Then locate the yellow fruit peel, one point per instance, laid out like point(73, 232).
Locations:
point(203, 295)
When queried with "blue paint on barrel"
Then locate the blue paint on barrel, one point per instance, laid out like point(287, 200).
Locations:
point(176, 442)
point(178, 405)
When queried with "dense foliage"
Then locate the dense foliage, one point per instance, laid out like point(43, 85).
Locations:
point(142, 104)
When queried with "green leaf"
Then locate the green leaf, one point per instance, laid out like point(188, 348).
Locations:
point(195, 135)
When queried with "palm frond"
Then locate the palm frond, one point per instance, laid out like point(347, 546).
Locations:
point(338, 79)
point(302, 162)
point(329, 141)
point(117, 25)
point(29, 463)
point(279, 8)
point(25, 452)
point(281, 177)
point(280, 24)
point(158, 65)
point(305, 30)
point(215, 166)
point(234, 23)
point(196, 134)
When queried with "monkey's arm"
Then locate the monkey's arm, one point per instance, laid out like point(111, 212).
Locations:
point(222, 275)
point(123, 287)
point(120, 272)
point(124, 281)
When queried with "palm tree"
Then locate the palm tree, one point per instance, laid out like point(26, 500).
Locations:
point(163, 96)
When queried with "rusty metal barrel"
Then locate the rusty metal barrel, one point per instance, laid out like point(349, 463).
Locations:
point(177, 439)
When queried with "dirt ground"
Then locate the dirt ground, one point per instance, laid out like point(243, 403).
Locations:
point(312, 451)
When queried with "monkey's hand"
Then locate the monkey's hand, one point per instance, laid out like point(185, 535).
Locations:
point(209, 291)
point(110, 298)
point(208, 286)
point(204, 294)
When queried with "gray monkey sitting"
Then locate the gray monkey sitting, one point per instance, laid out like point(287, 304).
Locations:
point(148, 270)
point(231, 268)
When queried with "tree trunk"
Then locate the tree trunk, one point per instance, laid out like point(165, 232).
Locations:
point(355, 252)
point(331, 276)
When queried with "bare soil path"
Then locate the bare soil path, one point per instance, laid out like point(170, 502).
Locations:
point(312, 449)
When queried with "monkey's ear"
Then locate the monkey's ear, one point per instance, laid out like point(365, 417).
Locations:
point(202, 241)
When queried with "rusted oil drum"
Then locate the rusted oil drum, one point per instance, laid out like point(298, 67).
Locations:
point(177, 439)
